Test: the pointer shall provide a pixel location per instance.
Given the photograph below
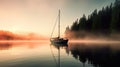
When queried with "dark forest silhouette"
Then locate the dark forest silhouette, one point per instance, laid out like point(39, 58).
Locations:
point(105, 21)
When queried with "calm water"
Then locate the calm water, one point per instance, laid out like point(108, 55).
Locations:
point(44, 54)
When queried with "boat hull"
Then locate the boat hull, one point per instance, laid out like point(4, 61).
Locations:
point(59, 41)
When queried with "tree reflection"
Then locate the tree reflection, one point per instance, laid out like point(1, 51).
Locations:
point(5, 46)
point(99, 56)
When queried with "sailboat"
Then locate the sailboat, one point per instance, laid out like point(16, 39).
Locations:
point(59, 40)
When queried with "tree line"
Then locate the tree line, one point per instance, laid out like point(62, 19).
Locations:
point(106, 20)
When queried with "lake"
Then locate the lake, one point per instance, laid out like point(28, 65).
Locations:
point(45, 54)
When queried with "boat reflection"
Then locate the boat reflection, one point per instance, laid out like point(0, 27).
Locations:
point(58, 46)
point(97, 55)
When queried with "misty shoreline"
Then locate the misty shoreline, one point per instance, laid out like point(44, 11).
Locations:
point(75, 35)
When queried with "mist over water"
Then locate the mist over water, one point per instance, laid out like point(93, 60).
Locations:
point(87, 37)
point(95, 41)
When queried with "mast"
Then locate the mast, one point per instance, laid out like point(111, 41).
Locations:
point(59, 25)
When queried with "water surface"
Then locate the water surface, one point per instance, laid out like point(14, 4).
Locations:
point(44, 54)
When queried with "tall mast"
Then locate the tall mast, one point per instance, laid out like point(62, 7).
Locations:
point(59, 25)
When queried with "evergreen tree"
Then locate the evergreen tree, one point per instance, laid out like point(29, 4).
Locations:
point(82, 23)
point(115, 23)
point(75, 26)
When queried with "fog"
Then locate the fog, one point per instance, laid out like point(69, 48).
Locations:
point(7, 35)
point(87, 37)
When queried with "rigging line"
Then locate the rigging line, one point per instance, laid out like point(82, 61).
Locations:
point(53, 56)
point(54, 27)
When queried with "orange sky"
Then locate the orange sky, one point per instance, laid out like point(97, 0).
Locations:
point(39, 15)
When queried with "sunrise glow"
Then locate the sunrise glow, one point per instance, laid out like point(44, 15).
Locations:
point(39, 15)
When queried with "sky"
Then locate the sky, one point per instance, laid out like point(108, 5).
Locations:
point(39, 16)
